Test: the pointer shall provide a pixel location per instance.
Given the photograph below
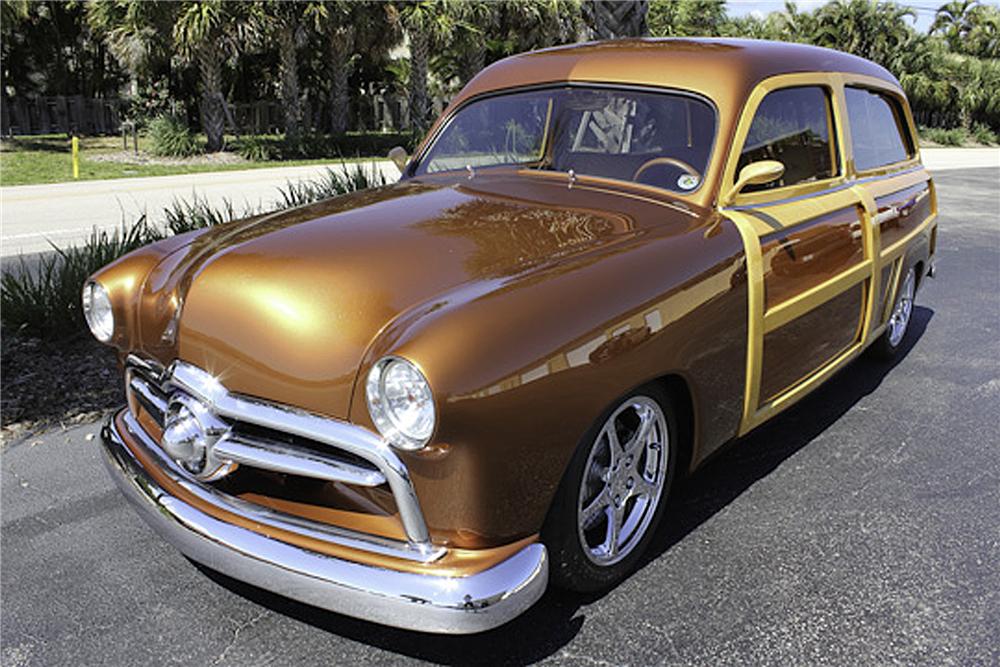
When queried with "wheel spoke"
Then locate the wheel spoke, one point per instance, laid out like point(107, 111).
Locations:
point(616, 515)
point(595, 508)
point(646, 422)
point(644, 487)
point(614, 447)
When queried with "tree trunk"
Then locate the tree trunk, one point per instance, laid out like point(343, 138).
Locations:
point(213, 118)
point(341, 50)
point(419, 103)
point(473, 62)
point(611, 19)
point(289, 75)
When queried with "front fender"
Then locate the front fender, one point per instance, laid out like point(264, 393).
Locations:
point(521, 368)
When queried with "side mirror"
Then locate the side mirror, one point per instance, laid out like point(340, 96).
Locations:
point(399, 157)
point(756, 173)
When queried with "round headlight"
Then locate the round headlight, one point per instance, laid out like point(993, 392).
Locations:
point(401, 403)
point(97, 311)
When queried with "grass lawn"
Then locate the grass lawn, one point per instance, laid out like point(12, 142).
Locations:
point(47, 159)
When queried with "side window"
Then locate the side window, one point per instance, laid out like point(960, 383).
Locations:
point(878, 134)
point(794, 127)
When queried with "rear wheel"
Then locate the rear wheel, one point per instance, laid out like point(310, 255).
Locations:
point(899, 321)
point(613, 494)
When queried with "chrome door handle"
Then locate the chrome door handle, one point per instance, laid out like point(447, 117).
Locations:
point(890, 213)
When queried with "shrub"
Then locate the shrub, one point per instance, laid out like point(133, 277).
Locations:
point(257, 148)
point(953, 137)
point(983, 134)
point(44, 299)
point(170, 137)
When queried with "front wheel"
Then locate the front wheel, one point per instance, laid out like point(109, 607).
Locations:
point(899, 321)
point(613, 494)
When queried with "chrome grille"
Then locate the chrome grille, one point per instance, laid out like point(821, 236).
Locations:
point(284, 439)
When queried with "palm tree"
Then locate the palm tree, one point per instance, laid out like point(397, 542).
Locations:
point(790, 24)
point(351, 29)
point(477, 20)
point(136, 32)
point(12, 13)
point(686, 18)
point(207, 32)
point(534, 24)
point(286, 23)
point(611, 19)
point(984, 37)
point(872, 29)
point(427, 24)
point(954, 21)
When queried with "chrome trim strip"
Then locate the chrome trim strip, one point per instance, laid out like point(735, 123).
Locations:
point(429, 603)
point(280, 457)
point(820, 193)
point(270, 517)
point(153, 404)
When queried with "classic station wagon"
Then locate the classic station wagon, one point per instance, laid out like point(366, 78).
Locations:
point(419, 404)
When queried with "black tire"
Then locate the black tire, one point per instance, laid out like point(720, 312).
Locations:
point(570, 566)
point(888, 344)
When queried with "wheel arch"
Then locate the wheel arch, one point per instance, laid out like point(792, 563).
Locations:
point(678, 388)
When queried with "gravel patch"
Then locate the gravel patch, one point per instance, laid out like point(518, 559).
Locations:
point(45, 383)
point(144, 158)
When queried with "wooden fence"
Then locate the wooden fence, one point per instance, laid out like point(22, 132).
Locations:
point(79, 115)
point(61, 114)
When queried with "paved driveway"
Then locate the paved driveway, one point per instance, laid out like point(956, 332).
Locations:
point(861, 527)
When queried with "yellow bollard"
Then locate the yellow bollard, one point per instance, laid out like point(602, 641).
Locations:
point(76, 157)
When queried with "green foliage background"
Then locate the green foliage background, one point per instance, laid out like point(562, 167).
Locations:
point(191, 58)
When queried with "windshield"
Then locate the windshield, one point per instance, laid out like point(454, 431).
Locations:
point(658, 139)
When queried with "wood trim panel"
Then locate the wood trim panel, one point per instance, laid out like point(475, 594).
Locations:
point(810, 254)
point(810, 341)
point(900, 212)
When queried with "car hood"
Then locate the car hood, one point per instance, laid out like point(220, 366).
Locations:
point(285, 306)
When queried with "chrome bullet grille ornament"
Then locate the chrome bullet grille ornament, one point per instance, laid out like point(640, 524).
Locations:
point(189, 436)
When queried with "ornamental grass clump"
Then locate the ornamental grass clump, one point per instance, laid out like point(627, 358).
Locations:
point(169, 136)
point(40, 295)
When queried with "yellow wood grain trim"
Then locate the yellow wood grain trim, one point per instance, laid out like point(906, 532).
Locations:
point(864, 81)
point(799, 305)
point(870, 234)
point(752, 229)
point(755, 315)
point(831, 81)
point(897, 248)
point(788, 398)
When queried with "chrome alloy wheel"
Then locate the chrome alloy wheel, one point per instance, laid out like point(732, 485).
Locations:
point(900, 318)
point(623, 480)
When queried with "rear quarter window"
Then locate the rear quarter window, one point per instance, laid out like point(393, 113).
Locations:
point(879, 135)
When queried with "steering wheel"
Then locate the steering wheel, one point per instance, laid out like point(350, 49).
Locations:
point(680, 164)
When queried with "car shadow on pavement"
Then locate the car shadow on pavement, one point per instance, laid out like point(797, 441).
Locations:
point(554, 621)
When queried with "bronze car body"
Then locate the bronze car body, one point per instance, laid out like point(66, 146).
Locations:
point(531, 300)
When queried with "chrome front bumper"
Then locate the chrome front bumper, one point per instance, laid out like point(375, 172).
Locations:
point(428, 603)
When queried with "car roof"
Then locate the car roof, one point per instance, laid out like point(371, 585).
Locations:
point(725, 70)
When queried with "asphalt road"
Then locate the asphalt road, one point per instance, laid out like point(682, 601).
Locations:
point(65, 213)
point(860, 527)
